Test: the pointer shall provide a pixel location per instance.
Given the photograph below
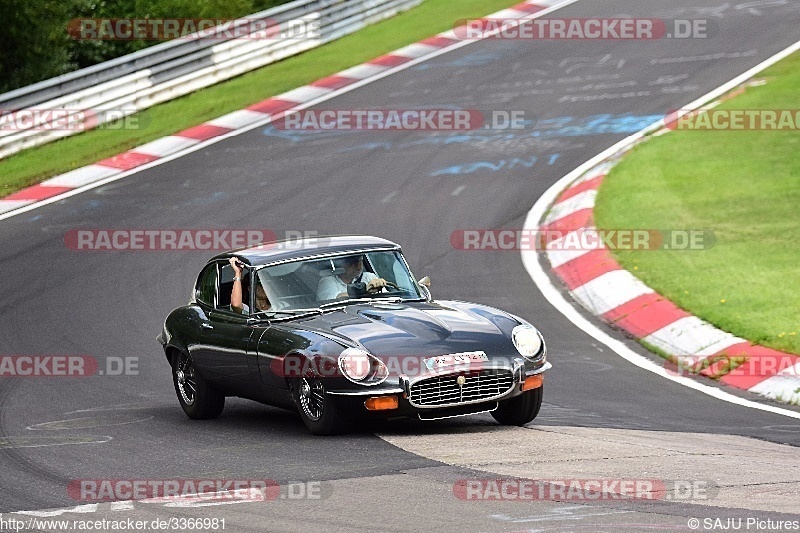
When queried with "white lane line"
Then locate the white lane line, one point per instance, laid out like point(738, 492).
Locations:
point(80, 509)
point(304, 105)
point(458, 190)
point(388, 197)
point(557, 300)
point(559, 515)
point(122, 506)
point(206, 503)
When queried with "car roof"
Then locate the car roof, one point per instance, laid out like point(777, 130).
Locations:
point(293, 249)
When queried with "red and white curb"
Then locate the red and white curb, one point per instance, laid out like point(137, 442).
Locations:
point(265, 111)
point(607, 290)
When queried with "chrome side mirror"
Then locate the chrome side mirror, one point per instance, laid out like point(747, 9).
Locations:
point(425, 285)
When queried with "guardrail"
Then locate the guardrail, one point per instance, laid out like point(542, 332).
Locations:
point(68, 104)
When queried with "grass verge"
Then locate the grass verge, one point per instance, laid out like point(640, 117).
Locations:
point(742, 185)
point(425, 20)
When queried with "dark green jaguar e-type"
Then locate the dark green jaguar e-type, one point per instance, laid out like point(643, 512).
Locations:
point(338, 327)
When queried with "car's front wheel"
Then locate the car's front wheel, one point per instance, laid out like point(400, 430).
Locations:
point(320, 415)
point(199, 400)
point(519, 410)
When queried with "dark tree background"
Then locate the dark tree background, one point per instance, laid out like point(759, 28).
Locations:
point(35, 44)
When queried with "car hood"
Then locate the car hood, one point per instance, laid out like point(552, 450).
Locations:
point(419, 329)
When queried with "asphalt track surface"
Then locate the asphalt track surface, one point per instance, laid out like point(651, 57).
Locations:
point(400, 185)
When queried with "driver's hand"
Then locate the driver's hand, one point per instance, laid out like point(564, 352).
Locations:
point(376, 284)
point(237, 271)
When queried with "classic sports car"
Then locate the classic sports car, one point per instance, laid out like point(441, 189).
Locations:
point(346, 330)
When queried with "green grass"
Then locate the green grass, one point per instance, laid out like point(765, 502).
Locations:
point(425, 20)
point(742, 185)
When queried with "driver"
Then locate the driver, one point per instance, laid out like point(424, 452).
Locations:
point(262, 301)
point(332, 287)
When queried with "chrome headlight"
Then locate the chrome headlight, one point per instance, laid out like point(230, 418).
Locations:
point(360, 367)
point(527, 341)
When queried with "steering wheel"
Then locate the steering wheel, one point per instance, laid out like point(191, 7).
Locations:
point(354, 290)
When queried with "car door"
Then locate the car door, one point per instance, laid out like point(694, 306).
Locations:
point(275, 343)
point(224, 336)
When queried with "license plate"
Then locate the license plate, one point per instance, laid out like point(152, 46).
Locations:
point(455, 359)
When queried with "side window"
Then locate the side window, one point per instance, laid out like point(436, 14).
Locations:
point(208, 285)
point(226, 287)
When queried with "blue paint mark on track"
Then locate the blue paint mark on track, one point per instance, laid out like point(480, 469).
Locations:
point(555, 127)
point(494, 166)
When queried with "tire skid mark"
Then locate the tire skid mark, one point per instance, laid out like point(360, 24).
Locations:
point(86, 423)
point(12, 442)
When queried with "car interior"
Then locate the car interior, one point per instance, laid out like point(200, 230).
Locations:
point(288, 286)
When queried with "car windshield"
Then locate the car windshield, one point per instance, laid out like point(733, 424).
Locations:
point(309, 284)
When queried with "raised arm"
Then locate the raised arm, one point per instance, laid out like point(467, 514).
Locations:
point(236, 292)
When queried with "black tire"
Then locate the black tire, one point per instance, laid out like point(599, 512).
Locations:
point(198, 399)
point(320, 415)
point(520, 410)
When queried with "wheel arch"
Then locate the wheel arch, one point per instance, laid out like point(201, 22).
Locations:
point(172, 352)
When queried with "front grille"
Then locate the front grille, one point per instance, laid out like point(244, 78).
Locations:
point(441, 391)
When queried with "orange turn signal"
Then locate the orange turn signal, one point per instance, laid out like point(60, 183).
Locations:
point(382, 403)
point(533, 382)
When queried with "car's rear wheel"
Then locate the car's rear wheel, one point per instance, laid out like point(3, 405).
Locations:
point(320, 415)
point(520, 410)
point(199, 400)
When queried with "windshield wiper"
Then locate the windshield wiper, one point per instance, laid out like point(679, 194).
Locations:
point(345, 301)
point(392, 299)
point(290, 312)
point(376, 298)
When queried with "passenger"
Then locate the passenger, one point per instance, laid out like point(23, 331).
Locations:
point(332, 287)
point(262, 301)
